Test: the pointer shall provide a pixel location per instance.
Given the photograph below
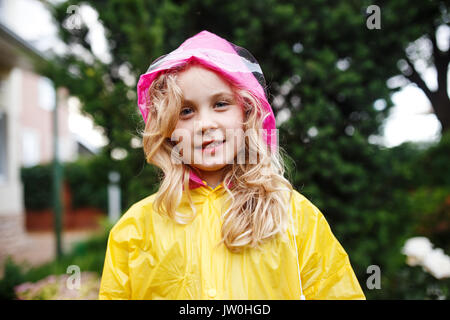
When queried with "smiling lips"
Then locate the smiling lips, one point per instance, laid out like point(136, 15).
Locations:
point(211, 145)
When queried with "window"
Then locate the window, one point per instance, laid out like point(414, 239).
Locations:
point(30, 148)
point(47, 94)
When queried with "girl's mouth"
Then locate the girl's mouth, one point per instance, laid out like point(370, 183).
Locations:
point(213, 146)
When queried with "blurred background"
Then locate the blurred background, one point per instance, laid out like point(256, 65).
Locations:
point(360, 91)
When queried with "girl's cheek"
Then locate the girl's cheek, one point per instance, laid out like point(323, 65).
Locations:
point(188, 149)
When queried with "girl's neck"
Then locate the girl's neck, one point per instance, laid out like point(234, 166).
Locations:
point(212, 178)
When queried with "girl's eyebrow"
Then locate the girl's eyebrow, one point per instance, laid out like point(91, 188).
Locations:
point(214, 96)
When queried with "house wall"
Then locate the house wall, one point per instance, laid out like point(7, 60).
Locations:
point(29, 141)
point(11, 191)
point(37, 123)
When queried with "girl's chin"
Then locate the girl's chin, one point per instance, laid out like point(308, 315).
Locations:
point(217, 154)
point(209, 168)
point(210, 163)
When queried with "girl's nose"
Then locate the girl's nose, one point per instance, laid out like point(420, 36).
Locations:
point(206, 122)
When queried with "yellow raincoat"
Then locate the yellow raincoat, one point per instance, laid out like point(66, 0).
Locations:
point(150, 256)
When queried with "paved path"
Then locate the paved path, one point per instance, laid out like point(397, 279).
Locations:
point(39, 247)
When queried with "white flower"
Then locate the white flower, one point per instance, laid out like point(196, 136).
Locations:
point(437, 263)
point(416, 249)
point(419, 251)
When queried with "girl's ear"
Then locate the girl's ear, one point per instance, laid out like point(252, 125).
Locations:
point(247, 107)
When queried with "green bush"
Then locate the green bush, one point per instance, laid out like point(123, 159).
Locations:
point(87, 187)
point(413, 283)
point(37, 186)
point(13, 275)
point(421, 191)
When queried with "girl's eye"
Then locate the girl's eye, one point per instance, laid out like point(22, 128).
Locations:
point(185, 111)
point(222, 104)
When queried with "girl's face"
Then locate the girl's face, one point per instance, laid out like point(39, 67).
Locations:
point(209, 112)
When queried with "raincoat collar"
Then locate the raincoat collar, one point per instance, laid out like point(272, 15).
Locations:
point(196, 182)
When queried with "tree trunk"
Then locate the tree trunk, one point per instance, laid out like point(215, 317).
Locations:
point(441, 106)
point(439, 99)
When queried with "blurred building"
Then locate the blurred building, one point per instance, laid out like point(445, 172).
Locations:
point(27, 101)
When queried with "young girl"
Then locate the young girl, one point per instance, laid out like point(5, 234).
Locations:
point(225, 223)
